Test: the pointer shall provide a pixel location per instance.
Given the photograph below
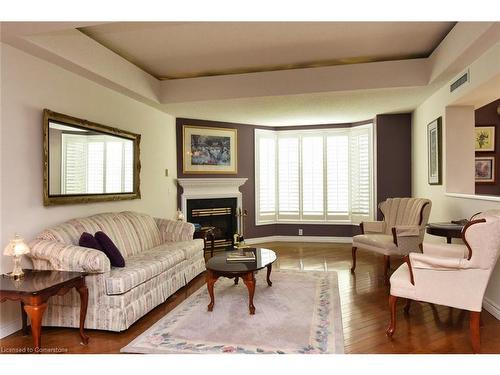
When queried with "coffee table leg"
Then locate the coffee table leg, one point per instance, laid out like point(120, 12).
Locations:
point(84, 298)
point(211, 279)
point(249, 280)
point(269, 269)
point(35, 312)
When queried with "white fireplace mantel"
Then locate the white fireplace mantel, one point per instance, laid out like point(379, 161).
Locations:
point(206, 188)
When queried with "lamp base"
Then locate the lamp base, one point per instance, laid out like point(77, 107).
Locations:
point(14, 276)
point(17, 272)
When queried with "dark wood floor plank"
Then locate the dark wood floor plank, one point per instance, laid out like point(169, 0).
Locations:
point(364, 301)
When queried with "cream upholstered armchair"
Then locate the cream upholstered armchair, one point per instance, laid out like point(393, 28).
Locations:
point(451, 275)
point(401, 232)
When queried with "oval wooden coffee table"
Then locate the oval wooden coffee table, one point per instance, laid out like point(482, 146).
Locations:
point(219, 266)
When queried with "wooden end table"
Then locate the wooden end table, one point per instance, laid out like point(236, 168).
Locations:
point(34, 290)
point(218, 266)
point(448, 230)
point(206, 234)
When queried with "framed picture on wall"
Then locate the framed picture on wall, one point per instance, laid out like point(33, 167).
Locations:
point(484, 137)
point(208, 150)
point(434, 158)
point(485, 169)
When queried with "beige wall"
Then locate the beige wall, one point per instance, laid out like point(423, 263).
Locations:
point(445, 208)
point(28, 85)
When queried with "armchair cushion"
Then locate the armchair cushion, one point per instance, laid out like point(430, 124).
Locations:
point(380, 243)
point(64, 257)
point(373, 227)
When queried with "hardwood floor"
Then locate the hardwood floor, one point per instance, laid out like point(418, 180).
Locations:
point(365, 313)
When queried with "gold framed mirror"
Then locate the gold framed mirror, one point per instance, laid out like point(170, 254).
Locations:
point(84, 161)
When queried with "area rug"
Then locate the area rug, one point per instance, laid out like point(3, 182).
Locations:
point(300, 313)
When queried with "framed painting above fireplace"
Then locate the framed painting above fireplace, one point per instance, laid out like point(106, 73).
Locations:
point(209, 150)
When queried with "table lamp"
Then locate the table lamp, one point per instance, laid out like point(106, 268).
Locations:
point(16, 248)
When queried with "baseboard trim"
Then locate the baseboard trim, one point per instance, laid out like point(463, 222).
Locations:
point(325, 239)
point(9, 328)
point(491, 307)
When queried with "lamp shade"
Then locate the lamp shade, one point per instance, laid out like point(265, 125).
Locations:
point(16, 247)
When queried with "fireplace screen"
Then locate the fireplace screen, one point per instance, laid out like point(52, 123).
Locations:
point(219, 213)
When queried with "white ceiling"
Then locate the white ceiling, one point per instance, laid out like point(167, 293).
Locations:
point(189, 48)
point(307, 109)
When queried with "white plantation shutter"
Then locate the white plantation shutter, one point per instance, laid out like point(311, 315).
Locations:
point(128, 166)
point(96, 164)
point(361, 174)
point(312, 177)
point(74, 166)
point(265, 143)
point(288, 178)
point(337, 176)
point(114, 164)
point(95, 167)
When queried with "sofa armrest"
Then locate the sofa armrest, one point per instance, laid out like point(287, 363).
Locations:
point(63, 257)
point(171, 230)
point(373, 227)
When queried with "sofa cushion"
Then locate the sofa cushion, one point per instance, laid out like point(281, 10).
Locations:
point(121, 232)
point(116, 225)
point(191, 248)
point(146, 229)
point(69, 232)
point(142, 267)
point(110, 249)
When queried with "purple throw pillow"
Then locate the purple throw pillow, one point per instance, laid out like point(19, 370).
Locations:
point(110, 249)
point(88, 240)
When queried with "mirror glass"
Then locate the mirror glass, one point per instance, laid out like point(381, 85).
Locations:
point(85, 161)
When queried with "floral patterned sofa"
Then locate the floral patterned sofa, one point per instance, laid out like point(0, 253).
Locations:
point(160, 257)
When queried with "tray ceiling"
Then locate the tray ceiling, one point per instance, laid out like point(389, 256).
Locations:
point(173, 50)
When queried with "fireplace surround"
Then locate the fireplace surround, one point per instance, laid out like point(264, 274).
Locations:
point(213, 202)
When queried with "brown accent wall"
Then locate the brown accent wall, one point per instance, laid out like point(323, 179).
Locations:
point(488, 115)
point(393, 156)
point(246, 168)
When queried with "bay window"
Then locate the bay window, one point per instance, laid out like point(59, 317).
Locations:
point(321, 175)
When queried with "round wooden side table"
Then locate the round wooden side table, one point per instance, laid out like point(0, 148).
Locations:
point(448, 230)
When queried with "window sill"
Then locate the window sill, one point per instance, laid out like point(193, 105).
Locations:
point(308, 222)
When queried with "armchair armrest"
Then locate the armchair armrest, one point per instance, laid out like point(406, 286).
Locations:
point(423, 261)
point(445, 250)
point(171, 230)
point(407, 230)
point(63, 257)
point(372, 226)
point(407, 238)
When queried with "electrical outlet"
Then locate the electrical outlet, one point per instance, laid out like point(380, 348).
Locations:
point(300, 232)
point(166, 172)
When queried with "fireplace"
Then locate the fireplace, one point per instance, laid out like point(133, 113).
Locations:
point(213, 202)
point(219, 213)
